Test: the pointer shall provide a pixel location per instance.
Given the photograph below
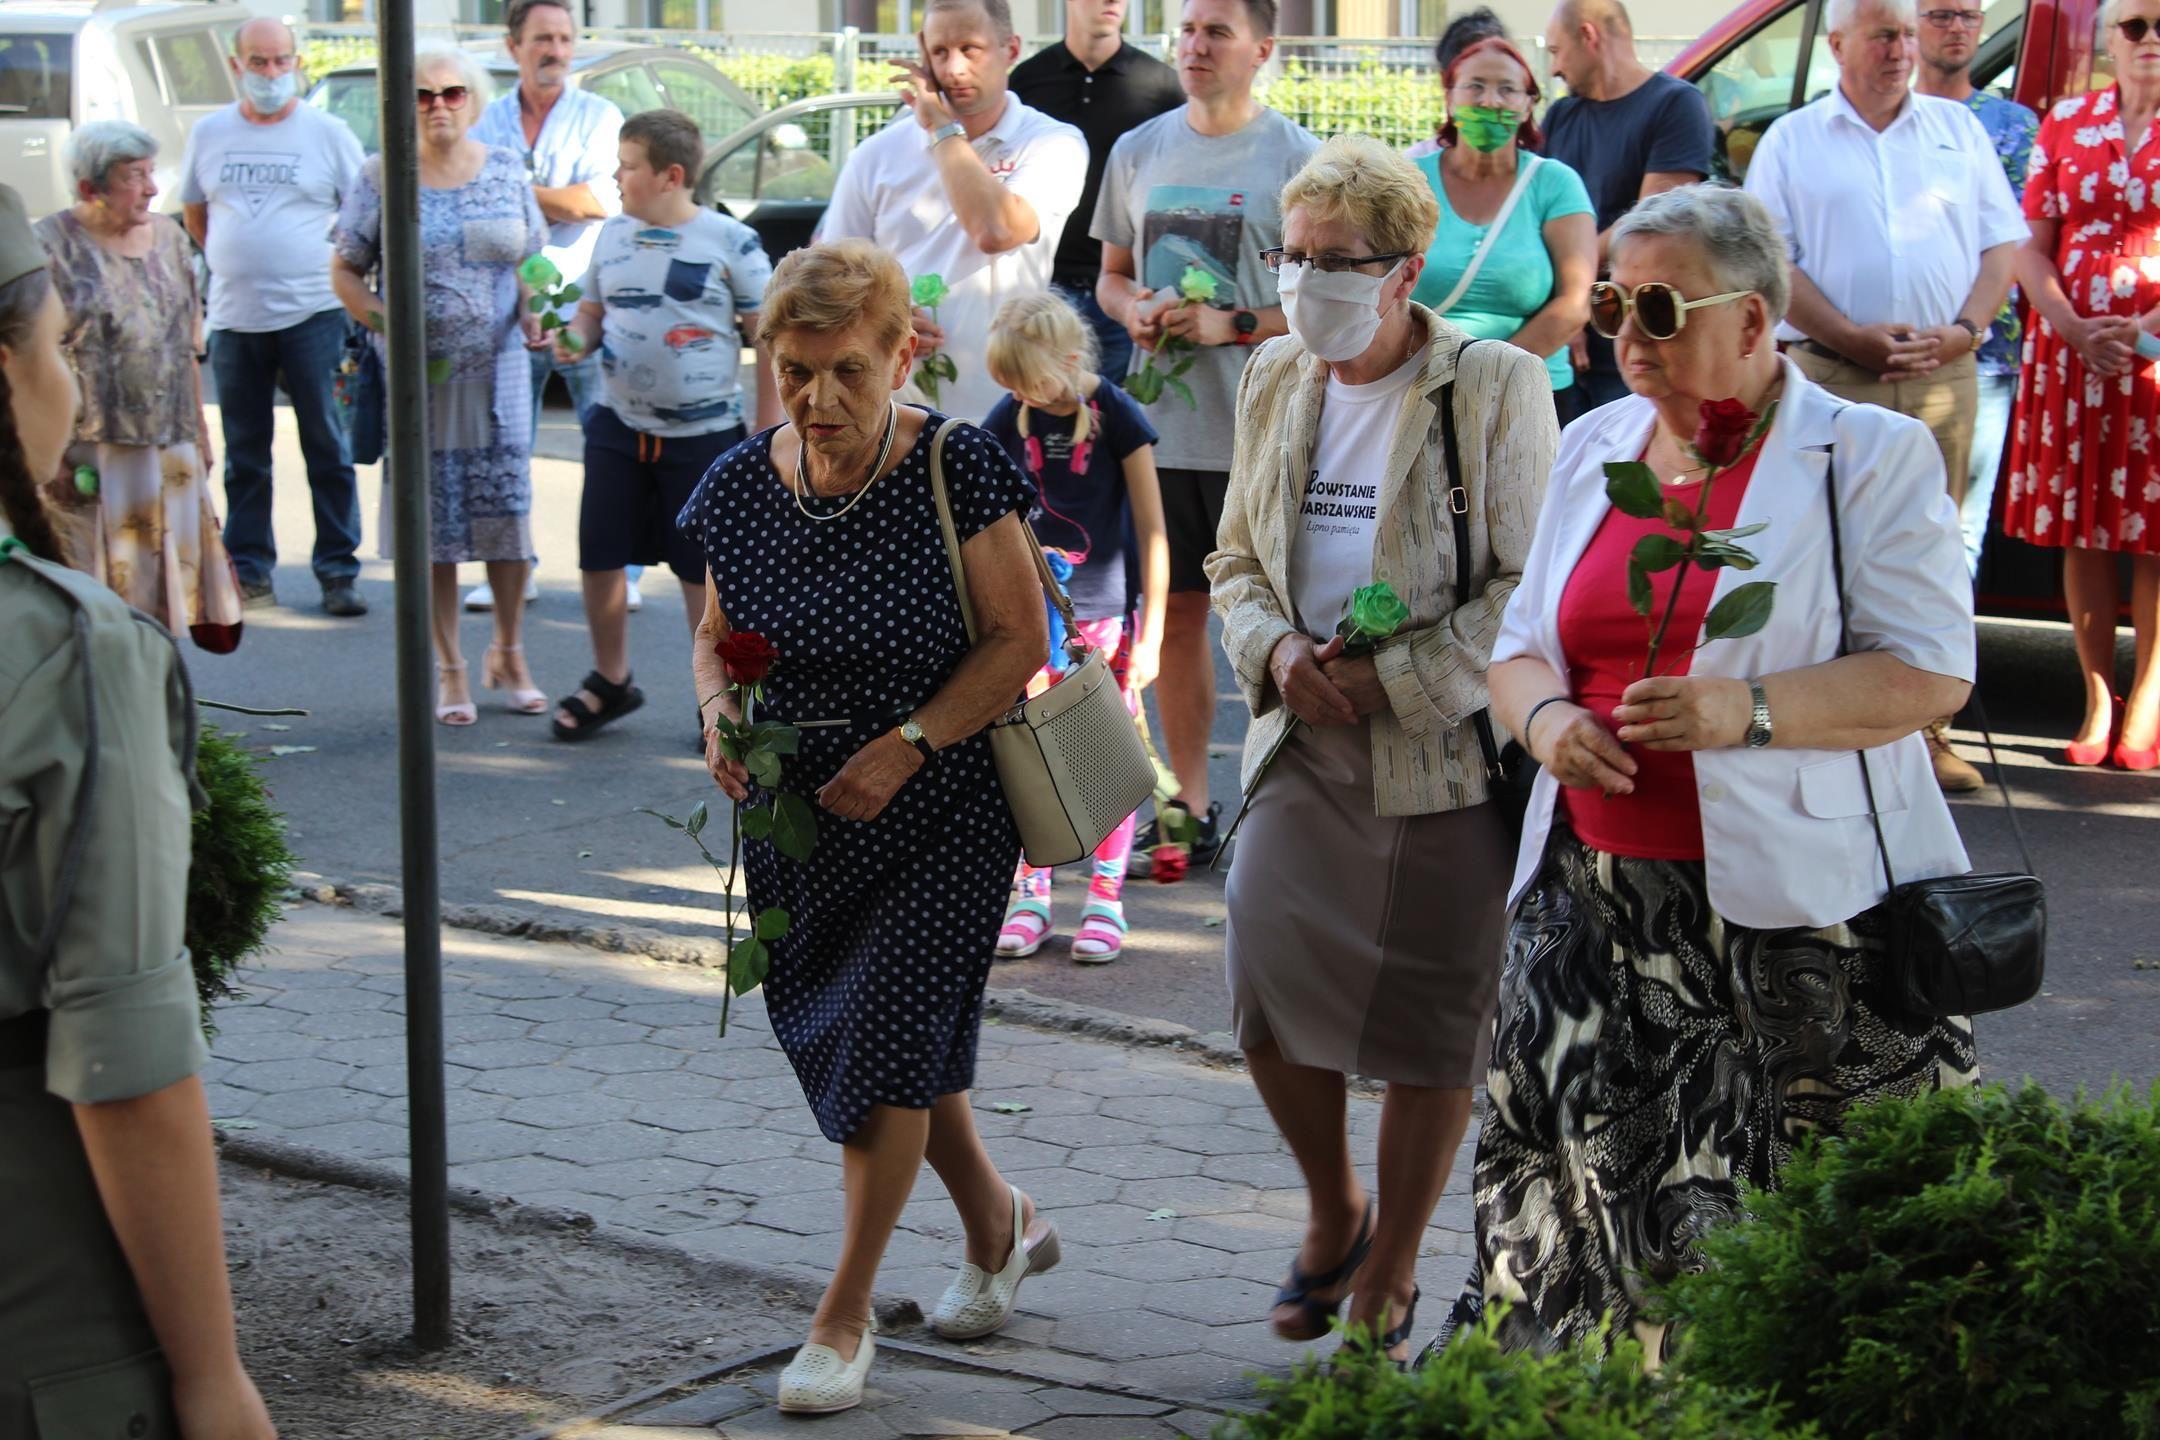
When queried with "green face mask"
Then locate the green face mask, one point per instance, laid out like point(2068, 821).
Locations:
point(1485, 128)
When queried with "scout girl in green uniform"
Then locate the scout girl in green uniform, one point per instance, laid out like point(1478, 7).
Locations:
point(115, 1312)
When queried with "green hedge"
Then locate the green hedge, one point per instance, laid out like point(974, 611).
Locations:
point(1974, 1263)
point(1474, 1390)
point(238, 872)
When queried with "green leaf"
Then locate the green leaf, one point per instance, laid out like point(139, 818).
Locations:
point(1184, 392)
point(1145, 384)
point(1633, 489)
point(794, 827)
point(723, 723)
point(756, 822)
point(1740, 533)
point(748, 962)
point(1639, 598)
point(731, 747)
point(697, 819)
point(1717, 554)
point(772, 923)
point(671, 822)
point(375, 321)
point(1010, 1107)
point(572, 341)
point(777, 736)
point(1743, 611)
point(1656, 553)
point(438, 370)
point(764, 767)
point(570, 294)
point(538, 305)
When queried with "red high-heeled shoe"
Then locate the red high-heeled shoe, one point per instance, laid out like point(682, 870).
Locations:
point(2125, 758)
point(2090, 755)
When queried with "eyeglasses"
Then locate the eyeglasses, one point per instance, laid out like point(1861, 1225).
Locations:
point(1477, 92)
point(1660, 310)
point(1955, 19)
point(2136, 28)
point(271, 64)
point(452, 96)
point(1279, 259)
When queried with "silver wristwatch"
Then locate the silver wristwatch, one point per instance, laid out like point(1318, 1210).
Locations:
point(946, 132)
point(1758, 730)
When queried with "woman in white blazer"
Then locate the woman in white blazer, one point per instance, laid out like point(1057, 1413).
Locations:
point(1696, 972)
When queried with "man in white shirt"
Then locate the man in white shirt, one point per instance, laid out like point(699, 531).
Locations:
point(1902, 230)
point(972, 186)
point(569, 138)
point(260, 185)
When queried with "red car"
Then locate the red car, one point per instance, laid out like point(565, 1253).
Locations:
point(1769, 56)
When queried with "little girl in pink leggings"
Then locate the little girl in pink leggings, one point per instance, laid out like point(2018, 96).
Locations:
point(1091, 453)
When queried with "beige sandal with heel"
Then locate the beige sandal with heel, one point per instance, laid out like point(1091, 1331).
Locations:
point(495, 675)
point(464, 712)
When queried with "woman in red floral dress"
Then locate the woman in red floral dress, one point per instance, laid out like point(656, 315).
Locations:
point(2084, 462)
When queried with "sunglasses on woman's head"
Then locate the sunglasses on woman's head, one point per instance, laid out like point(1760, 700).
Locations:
point(2136, 28)
point(452, 96)
point(1660, 310)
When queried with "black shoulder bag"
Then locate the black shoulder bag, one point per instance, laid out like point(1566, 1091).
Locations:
point(1960, 944)
point(1509, 770)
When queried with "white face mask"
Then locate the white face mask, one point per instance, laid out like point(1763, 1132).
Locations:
point(268, 94)
point(1333, 316)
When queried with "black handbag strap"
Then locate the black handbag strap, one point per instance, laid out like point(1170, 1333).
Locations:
point(1867, 779)
point(1458, 504)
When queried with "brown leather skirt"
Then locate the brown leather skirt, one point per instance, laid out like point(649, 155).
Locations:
point(1364, 945)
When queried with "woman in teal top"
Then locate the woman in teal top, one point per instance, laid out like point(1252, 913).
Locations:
point(1531, 286)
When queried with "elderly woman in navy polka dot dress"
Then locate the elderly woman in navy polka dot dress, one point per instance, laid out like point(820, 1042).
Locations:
point(823, 536)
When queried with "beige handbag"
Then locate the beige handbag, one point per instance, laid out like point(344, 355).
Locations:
point(1070, 759)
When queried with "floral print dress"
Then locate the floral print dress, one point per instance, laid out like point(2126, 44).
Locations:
point(133, 498)
point(472, 239)
point(2083, 469)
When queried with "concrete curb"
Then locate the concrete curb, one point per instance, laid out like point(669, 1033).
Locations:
point(305, 1162)
point(1011, 1005)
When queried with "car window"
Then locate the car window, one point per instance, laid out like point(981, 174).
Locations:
point(194, 68)
point(796, 160)
point(629, 89)
point(698, 95)
point(1752, 85)
point(34, 75)
point(352, 99)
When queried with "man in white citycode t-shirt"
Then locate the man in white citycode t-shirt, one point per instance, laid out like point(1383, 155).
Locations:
point(260, 184)
point(971, 185)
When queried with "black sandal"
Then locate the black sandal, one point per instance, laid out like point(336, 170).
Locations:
point(616, 701)
point(1401, 1333)
point(1297, 1290)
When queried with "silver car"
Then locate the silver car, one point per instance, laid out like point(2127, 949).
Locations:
point(160, 65)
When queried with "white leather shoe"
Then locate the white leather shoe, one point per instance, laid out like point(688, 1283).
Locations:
point(979, 1304)
point(818, 1382)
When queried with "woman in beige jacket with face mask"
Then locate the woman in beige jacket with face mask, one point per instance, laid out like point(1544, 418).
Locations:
point(1364, 924)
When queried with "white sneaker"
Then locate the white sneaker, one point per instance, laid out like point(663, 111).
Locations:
point(634, 598)
point(818, 1382)
point(481, 598)
point(978, 1304)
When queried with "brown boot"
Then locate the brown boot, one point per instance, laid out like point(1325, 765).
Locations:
point(1952, 774)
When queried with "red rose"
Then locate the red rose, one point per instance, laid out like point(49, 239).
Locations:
point(1723, 433)
point(1171, 863)
point(747, 656)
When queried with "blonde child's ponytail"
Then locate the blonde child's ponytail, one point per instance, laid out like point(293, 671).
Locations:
point(1040, 345)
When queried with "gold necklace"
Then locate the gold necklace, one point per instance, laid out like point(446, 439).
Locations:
point(802, 479)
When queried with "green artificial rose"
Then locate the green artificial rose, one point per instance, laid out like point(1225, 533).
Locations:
point(1196, 285)
point(928, 291)
point(539, 272)
point(1376, 612)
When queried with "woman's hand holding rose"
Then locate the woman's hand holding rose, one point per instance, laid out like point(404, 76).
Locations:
point(1685, 712)
point(1304, 686)
point(1579, 751)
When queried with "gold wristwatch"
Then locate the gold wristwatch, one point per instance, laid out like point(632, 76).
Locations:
point(913, 734)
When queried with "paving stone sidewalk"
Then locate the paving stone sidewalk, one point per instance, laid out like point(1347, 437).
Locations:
point(595, 1082)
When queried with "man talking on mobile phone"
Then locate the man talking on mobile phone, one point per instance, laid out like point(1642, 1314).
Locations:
point(968, 184)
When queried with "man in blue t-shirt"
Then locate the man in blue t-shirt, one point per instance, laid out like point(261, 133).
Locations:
point(1949, 38)
point(1629, 131)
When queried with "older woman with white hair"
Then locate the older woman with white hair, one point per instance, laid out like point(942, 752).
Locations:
point(478, 223)
point(1378, 444)
point(1697, 972)
point(133, 493)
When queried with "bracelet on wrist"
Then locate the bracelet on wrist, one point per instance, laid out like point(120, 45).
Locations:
point(1532, 716)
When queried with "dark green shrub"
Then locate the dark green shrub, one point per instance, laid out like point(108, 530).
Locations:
point(1974, 1263)
point(238, 871)
point(1474, 1390)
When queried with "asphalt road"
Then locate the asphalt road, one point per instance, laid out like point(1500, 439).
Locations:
point(531, 822)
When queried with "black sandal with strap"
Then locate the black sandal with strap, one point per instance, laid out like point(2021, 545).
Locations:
point(616, 701)
point(1297, 1290)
